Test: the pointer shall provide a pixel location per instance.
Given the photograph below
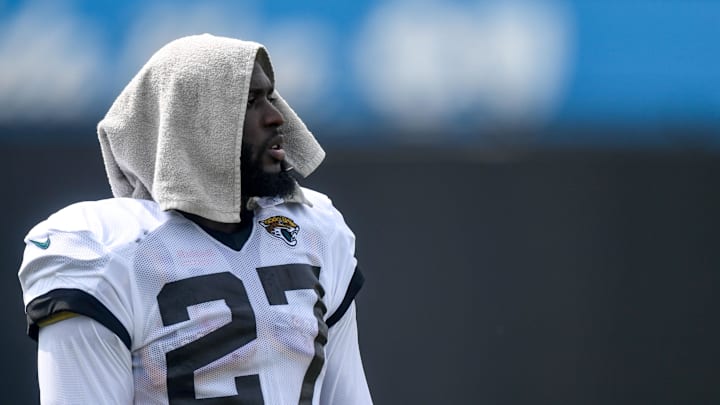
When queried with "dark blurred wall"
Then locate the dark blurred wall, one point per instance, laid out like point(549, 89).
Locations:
point(540, 278)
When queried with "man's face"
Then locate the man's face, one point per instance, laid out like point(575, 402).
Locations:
point(262, 160)
point(260, 128)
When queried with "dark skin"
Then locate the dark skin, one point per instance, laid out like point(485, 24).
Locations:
point(260, 133)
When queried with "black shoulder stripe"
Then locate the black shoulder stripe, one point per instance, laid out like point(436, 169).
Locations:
point(76, 301)
point(356, 283)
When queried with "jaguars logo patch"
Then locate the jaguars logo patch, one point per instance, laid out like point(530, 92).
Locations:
point(282, 228)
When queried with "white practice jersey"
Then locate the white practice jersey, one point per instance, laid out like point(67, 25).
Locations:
point(204, 323)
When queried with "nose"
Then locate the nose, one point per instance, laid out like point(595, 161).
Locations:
point(272, 116)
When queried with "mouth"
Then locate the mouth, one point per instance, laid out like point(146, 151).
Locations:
point(275, 148)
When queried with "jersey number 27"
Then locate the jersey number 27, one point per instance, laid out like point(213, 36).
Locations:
point(182, 362)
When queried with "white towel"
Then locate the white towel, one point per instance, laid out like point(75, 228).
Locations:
point(174, 134)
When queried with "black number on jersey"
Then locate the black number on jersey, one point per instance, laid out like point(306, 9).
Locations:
point(276, 280)
point(175, 297)
point(173, 300)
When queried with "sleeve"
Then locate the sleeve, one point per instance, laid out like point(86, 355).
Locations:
point(344, 381)
point(82, 362)
point(343, 278)
point(72, 271)
point(356, 282)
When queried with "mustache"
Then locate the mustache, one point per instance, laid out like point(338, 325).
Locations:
point(250, 157)
point(256, 151)
point(268, 141)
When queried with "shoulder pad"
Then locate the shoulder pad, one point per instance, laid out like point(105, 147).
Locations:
point(110, 222)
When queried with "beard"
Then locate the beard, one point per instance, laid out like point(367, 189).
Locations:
point(258, 183)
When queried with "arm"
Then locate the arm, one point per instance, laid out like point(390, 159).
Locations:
point(344, 381)
point(80, 361)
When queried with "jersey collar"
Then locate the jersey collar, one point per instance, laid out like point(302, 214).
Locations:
point(297, 196)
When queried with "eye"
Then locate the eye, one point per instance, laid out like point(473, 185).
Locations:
point(251, 101)
point(272, 97)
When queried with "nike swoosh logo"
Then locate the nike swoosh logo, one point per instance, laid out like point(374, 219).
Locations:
point(41, 245)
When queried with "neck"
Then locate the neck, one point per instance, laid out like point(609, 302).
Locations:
point(225, 227)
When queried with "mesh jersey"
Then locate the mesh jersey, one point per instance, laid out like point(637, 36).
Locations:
point(201, 320)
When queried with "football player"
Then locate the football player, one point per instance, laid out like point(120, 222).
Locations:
point(212, 276)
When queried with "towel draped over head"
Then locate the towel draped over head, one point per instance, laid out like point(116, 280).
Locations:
point(174, 134)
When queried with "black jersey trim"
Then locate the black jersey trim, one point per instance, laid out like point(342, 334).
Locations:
point(76, 301)
point(356, 282)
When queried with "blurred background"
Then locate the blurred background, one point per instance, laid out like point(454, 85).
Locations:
point(532, 183)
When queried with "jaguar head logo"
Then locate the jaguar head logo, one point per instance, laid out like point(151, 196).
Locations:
point(282, 228)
